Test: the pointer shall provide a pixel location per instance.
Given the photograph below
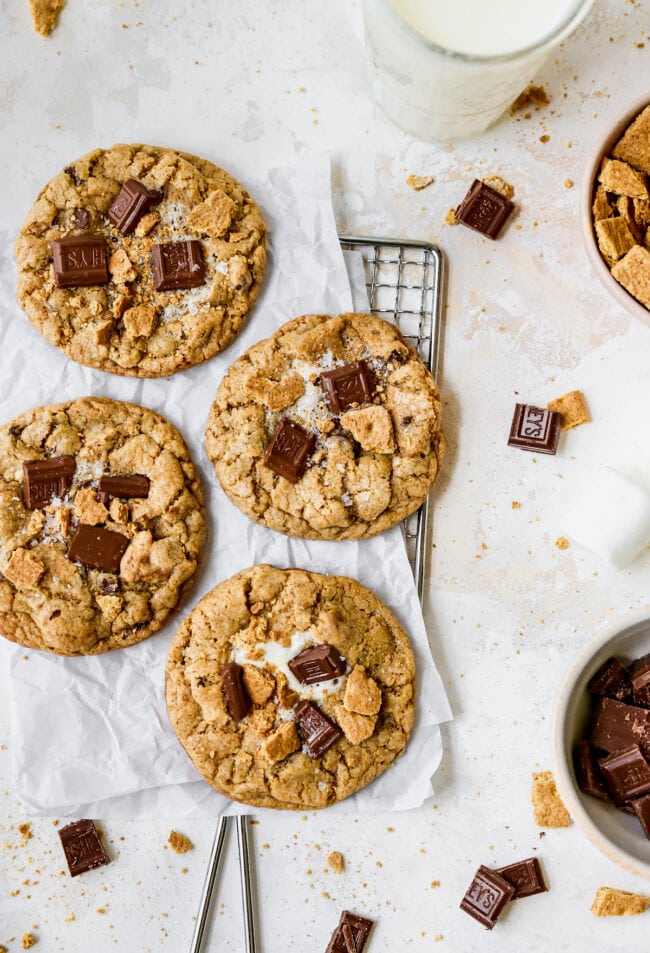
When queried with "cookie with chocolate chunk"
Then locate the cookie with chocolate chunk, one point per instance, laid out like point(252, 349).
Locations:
point(329, 430)
point(290, 689)
point(101, 525)
point(141, 260)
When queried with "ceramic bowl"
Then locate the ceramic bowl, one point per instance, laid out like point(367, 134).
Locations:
point(619, 836)
point(606, 142)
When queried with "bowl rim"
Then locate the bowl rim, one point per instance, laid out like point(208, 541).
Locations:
point(563, 771)
point(612, 133)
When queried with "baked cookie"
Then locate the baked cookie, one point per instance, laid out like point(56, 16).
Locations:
point(101, 525)
point(141, 260)
point(330, 429)
point(290, 689)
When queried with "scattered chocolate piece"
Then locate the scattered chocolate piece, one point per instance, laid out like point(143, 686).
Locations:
point(178, 265)
point(97, 547)
point(525, 876)
point(318, 663)
point(80, 261)
point(587, 773)
point(81, 218)
point(617, 725)
point(484, 209)
point(641, 683)
point(290, 448)
point(45, 479)
point(351, 934)
point(486, 896)
point(123, 487)
point(626, 773)
point(316, 730)
point(126, 210)
point(612, 680)
point(641, 807)
point(83, 847)
point(347, 386)
point(236, 697)
point(535, 428)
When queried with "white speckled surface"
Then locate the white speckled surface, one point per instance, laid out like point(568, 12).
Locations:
point(507, 610)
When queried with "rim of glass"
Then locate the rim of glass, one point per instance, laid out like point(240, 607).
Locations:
point(578, 11)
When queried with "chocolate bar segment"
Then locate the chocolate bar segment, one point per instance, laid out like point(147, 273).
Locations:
point(617, 726)
point(129, 206)
point(351, 934)
point(178, 265)
point(45, 479)
point(535, 428)
point(80, 261)
point(97, 547)
point(123, 487)
point(236, 697)
point(318, 663)
point(486, 896)
point(587, 772)
point(316, 730)
point(626, 773)
point(290, 448)
point(525, 876)
point(347, 386)
point(641, 682)
point(484, 209)
point(641, 807)
point(83, 847)
point(612, 680)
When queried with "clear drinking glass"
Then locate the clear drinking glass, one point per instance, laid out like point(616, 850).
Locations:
point(437, 93)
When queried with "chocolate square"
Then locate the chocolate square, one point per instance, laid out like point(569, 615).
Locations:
point(45, 479)
point(351, 934)
point(83, 847)
point(316, 730)
point(612, 680)
point(486, 896)
point(235, 695)
point(347, 386)
point(123, 487)
point(641, 807)
point(290, 448)
point(318, 663)
point(126, 210)
point(178, 265)
point(535, 428)
point(587, 772)
point(97, 547)
point(484, 209)
point(525, 876)
point(626, 773)
point(617, 726)
point(641, 682)
point(80, 261)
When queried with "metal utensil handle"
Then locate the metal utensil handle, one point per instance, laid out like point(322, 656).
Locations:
point(247, 892)
point(214, 865)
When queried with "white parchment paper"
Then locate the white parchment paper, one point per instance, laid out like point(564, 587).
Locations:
point(91, 735)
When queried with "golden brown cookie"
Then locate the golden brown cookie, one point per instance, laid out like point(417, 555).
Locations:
point(330, 429)
point(101, 525)
point(141, 260)
point(290, 689)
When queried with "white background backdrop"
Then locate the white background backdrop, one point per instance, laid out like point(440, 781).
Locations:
point(256, 84)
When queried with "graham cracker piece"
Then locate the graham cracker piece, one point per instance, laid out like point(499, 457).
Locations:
point(281, 743)
point(601, 207)
point(45, 13)
point(335, 860)
point(633, 272)
point(276, 395)
point(362, 694)
point(500, 185)
point(419, 182)
point(614, 238)
point(372, 427)
point(610, 902)
point(214, 216)
point(179, 843)
point(625, 208)
point(88, 509)
point(23, 569)
point(120, 267)
point(260, 685)
point(536, 95)
point(634, 144)
point(573, 409)
point(548, 809)
point(621, 179)
point(139, 321)
point(356, 728)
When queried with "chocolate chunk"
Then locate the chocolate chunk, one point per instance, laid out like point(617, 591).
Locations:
point(351, 934)
point(178, 265)
point(587, 772)
point(45, 479)
point(317, 730)
point(484, 209)
point(83, 847)
point(81, 218)
point(80, 261)
point(290, 448)
point(126, 210)
point(97, 547)
point(641, 807)
point(236, 697)
point(641, 682)
point(626, 773)
point(486, 896)
point(123, 487)
point(318, 663)
point(525, 876)
point(535, 428)
point(617, 726)
point(348, 385)
point(612, 679)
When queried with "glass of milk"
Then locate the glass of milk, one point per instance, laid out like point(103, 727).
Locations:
point(448, 68)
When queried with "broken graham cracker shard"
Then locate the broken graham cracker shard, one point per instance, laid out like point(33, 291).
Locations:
point(633, 273)
point(610, 902)
point(548, 809)
point(45, 14)
point(486, 896)
point(572, 408)
point(634, 145)
point(179, 843)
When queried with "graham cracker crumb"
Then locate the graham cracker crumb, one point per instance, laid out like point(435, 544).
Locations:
point(548, 809)
point(25, 831)
point(70, 919)
point(45, 14)
point(29, 940)
point(500, 185)
point(610, 902)
point(536, 95)
point(515, 505)
point(3, 949)
point(545, 138)
point(438, 937)
point(179, 843)
point(568, 183)
point(100, 910)
point(335, 860)
point(562, 542)
point(450, 217)
point(419, 182)
point(435, 883)
point(573, 409)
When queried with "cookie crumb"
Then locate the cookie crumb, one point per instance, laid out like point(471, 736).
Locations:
point(450, 217)
point(335, 860)
point(573, 409)
point(562, 542)
point(536, 95)
point(179, 843)
point(548, 809)
point(29, 940)
point(610, 902)
point(419, 182)
point(25, 831)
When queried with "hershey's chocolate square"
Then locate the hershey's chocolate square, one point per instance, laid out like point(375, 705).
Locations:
point(236, 697)
point(178, 265)
point(612, 679)
point(626, 773)
point(486, 896)
point(617, 726)
point(525, 876)
point(587, 772)
point(126, 210)
point(97, 547)
point(347, 385)
point(641, 807)
point(641, 683)
point(317, 730)
point(484, 209)
point(290, 448)
point(83, 847)
point(80, 261)
point(123, 487)
point(351, 934)
point(317, 663)
point(45, 479)
point(535, 428)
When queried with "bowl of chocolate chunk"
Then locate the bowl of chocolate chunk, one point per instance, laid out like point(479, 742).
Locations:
point(602, 742)
point(616, 209)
